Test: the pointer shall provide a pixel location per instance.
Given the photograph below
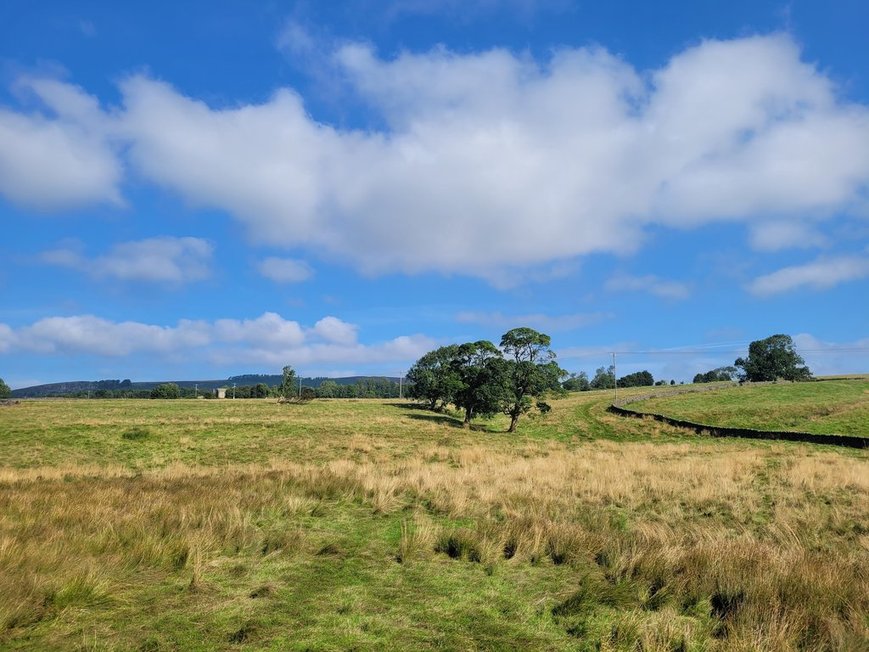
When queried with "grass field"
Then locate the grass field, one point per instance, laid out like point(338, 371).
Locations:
point(370, 525)
point(827, 407)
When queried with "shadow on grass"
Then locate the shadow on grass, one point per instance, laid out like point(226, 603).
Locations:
point(448, 420)
point(409, 406)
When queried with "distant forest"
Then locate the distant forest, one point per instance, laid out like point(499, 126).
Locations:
point(246, 386)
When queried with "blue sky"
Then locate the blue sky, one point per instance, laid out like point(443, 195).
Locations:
point(196, 190)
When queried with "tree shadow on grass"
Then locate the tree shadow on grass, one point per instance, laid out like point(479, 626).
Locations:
point(409, 406)
point(447, 420)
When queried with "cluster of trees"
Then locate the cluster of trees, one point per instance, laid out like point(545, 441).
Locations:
point(605, 378)
point(769, 359)
point(365, 388)
point(483, 380)
point(637, 379)
point(290, 390)
point(577, 382)
point(716, 375)
point(260, 390)
point(166, 390)
point(108, 393)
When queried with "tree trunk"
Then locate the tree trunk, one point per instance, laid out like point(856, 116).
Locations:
point(514, 419)
point(469, 414)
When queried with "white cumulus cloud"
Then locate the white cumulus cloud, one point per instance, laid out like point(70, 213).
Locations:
point(818, 275)
point(650, 283)
point(59, 154)
point(93, 335)
point(269, 329)
point(163, 259)
point(335, 330)
point(285, 270)
point(774, 236)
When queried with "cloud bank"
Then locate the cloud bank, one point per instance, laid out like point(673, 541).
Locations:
point(267, 339)
point(482, 162)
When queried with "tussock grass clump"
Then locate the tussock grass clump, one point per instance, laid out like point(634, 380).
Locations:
point(136, 433)
point(460, 544)
point(262, 591)
point(417, 537)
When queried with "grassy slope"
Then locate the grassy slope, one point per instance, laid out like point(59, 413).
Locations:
point(828, 407)
point(372, 525)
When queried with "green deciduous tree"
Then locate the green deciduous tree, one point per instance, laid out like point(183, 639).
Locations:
point(482, 372)
point(637, 379)
point(5, 392)
point(773, 358)
point(166, 390)
point(577, 382)
point(327, 389)
point(604, 378)
point(288, 388)
point(531, 370)
point(716, 375)
point(435, 377)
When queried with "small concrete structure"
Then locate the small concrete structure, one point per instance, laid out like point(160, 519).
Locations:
point(220, 392)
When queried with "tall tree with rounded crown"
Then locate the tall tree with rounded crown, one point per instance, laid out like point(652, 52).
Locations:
point(531, 370)
point(771, 359)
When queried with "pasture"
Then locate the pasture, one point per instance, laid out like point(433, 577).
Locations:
point(370, 525)
point(825, 407)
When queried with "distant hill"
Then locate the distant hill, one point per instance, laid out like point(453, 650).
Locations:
point(76, 386)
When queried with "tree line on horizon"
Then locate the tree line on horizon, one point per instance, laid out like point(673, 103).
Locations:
point(769, 359)
point(362, 388)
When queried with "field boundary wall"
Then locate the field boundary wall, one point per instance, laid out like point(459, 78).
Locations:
point(619, 407)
